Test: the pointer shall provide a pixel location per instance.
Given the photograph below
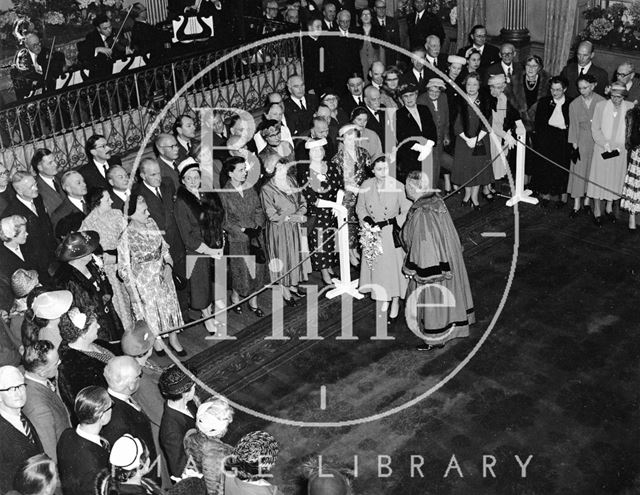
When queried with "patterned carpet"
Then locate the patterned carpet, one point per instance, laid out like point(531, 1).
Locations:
point(556, 380)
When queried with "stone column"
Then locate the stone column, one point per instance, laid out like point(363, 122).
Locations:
point(515, 23)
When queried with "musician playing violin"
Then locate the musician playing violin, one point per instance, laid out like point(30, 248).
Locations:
point(98, 51)
point(30, 66)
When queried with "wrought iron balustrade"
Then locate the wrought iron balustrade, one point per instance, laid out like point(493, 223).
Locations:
point(123, 107)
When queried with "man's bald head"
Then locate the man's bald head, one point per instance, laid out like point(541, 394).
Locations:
point(372, 97)
point(376, 73)
point(10, 376)
point(295, 85)
point(122, 374)
point(32, 42)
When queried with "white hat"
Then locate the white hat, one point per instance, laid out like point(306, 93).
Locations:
point(456, 59)
point(436, 82)
point(187, 164)
point(347, 128)
point(52, 305)
point(315, 143)
point(497, 79)
point(126, 452)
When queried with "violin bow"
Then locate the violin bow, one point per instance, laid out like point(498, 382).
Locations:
point(46, 72)
point(121, 26)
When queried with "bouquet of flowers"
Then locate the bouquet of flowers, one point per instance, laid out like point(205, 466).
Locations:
point(371, 242)
point(617, 25)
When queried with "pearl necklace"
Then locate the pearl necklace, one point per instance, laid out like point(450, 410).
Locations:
point(531, 87)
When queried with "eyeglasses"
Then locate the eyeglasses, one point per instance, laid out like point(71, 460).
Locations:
point(622, 74)
point(388, 79)
point(15, 388)
point(108, 409)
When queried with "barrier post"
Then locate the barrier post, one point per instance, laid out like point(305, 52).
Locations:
point(521, 194)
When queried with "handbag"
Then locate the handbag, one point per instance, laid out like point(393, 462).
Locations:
point(255, 249)
point(397, 234)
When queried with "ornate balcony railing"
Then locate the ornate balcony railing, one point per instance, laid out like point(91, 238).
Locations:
point(123, 107)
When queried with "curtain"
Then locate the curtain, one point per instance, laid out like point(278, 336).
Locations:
point(561, 17)
point(470, 13)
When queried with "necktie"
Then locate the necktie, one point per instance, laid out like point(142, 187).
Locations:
point(418, 16)
point(56, 186)
point(158, 193)
point(133, 404)
point(27, 429)
point(302, 105)
point(32, 207)
point(582, 71)
point(382, 22)
point(509, 71)
point(105, 444)
point(51, 383)
point(84, 206)
point(420, 78)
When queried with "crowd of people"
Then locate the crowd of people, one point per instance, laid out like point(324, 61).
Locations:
point(97, 268)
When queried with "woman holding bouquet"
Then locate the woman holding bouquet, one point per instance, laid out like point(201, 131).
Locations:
point(382, 204)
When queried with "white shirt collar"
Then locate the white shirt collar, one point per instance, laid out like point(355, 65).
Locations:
point(29, 204)
point(479, 48)
point(506, 67)
point(16, 250)
point(89, 436)
point(35, 378)
point(76, 202)
point(184, 143)
point(48, 181)
point(13, 419)
point(343, 33)
point(119, 395)
point(124, 195)
point(586, 68)
point(418, 73)
point(166, 161)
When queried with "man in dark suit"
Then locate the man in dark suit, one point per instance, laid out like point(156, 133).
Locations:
point(184, 130)
point(422, 23)
point(44, 407)
point(417, 74)
point(123, 375)
point(30, 67)
point(299, 107)
point(353, 97)
point(41, 243)
point(385, 28)
point(626, 74)
point(434, 57)
point(99, 160)
point(73, 204)
point(412, 121)
point(146, 38)
point(95, 51)
point(319, 130)
point(506, 65)
point(343, 52)
point(435, 100)
point(489, 54)
point(6, 191)
point(584, 65)
point(329, 11)
point(166, 149)
point(82, 452)
point(159, 196)
point(375, 112)
point(19, 437)
point(119, 181)
point(49, 187)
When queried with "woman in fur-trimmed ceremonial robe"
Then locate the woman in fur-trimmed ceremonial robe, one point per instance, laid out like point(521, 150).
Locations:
point(435, 268)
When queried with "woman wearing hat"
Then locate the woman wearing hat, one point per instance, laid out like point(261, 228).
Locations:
point(251, 462)
point(42, 320)
point(322, 182)
point(274, 111)
point(82, 275)
point(434, 266)
point(210, 167)
point(353, 162)
point(13, 234)
point(243, 221)
point(331, 99)
point(109, 224)
point(178, 417)
point(472, 144)
point(271, 132)
point(581, 112)
point(369, 140)
point(631, 189)
point(286, 210)
point(145, 265)
point(206, 452)
point(199, 216)
point(82, 356)
point(382, 202)
point(25, 285)
point(609, 131)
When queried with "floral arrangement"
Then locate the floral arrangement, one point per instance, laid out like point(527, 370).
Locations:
point(371, 242)
point(40, 15)
point(445, 10)
point(617, 25)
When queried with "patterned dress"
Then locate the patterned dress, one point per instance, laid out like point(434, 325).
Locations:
point(631, 188)
point(322, 183)
point(109, 225)
point(353, 173)
point(142, 254)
